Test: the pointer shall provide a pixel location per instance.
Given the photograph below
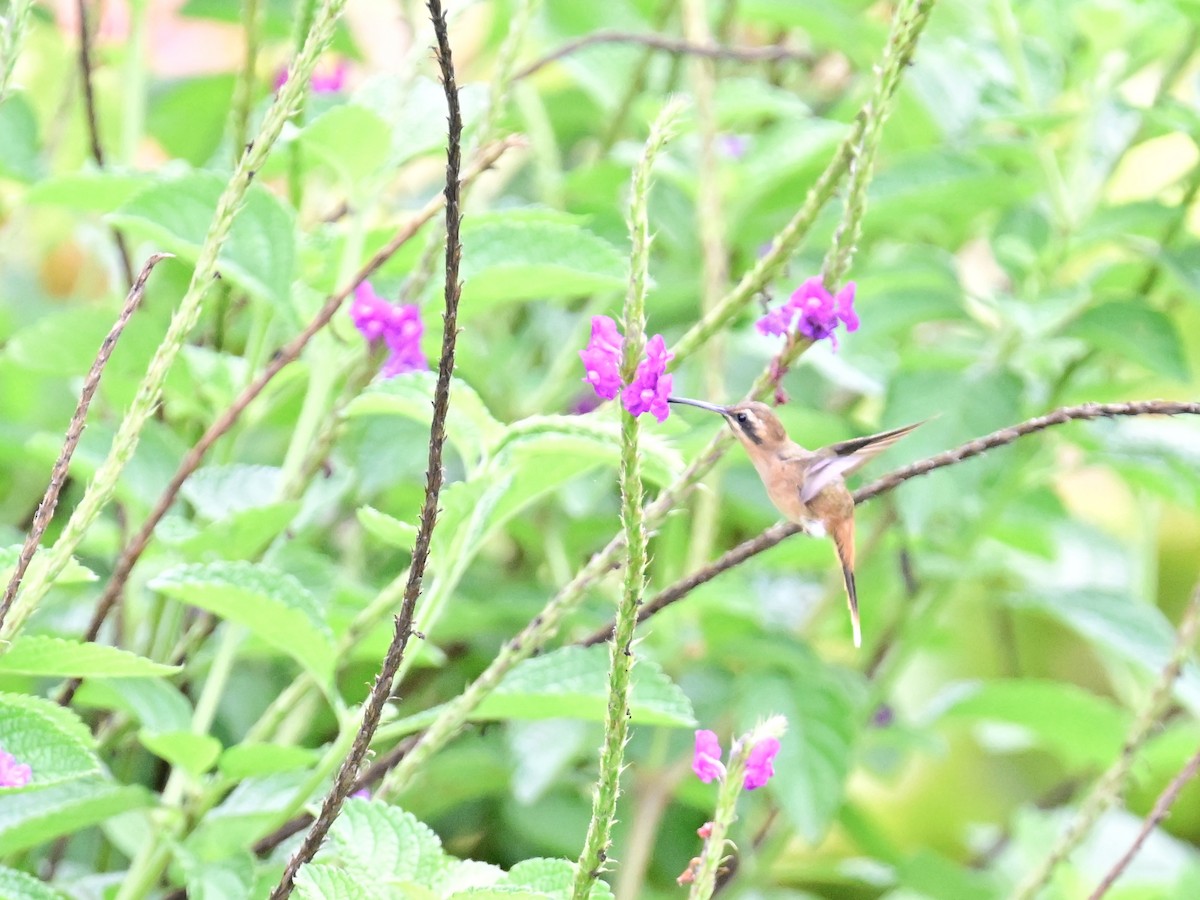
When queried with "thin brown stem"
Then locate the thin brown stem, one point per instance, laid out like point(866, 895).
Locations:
point(286, 355)
point(347, 775)
point(777, 532)
point(58, 475)
point(677, 46)
point(1162, 806)
point(93, 126)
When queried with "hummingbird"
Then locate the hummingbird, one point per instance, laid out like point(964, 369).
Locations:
point(807, 486)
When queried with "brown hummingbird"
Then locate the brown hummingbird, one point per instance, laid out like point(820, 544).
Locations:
point(807, 486)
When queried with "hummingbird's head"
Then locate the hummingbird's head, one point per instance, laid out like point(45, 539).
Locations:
point(754, 423)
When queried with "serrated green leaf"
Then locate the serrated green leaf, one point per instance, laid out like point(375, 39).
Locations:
point(247, 760)
point(554, 878)
point(1135, 332)
point(1136, 632)
point(533, 254)
point(469, 425)
point(572, 683)
point(384, 842)
point(1083, 729)
point(386, 528)
point(32, 817)
point(273, 605)
point(152, 702)
point(16, 885)
point(195, 753)
point(175, 214)
point(56, 657)
point(50, 739)
point(319, 881)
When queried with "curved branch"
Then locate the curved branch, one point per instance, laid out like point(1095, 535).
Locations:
point(977, 447)
point(668, 45)
point(58, 475)
point(372, 710)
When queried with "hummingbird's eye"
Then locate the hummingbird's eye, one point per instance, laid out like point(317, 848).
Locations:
point(742, 418)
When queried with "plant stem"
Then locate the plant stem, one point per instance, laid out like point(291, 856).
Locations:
point(1108, 789)
point(616, 725)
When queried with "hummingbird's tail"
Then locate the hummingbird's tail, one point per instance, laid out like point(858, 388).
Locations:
point(843, 539)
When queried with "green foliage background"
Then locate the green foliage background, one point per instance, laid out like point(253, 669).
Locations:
point(1029, 242)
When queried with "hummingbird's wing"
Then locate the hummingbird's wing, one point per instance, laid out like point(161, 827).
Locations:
point(840, 459)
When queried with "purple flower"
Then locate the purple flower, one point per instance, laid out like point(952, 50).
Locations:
point(760, 764)
point(706, 758)
point(327, 82)
point(13, 773)
point(732, 146)
point(602, 357)
point(399, 327)
point(651, 385)
point(813, 312)
point(362, 794)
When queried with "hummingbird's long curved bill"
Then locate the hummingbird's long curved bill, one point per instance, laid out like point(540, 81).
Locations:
point(700, 404)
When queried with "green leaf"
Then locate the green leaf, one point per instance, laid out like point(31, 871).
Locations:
point(241, 535)
point(88, 192)
point(351, 140)
point(385, 528)
point(1083, 729)
point(195, 753)
point(554, 878)
point(320, 881)
point(533, 254)
point(51, 740)
point(16, 885)
point(219, 491)
point(250, 810)
point(188, 116)
point(56, 657)
point(18, 139)
point(1135, 332)
point(1183, 265)
point(539, 440)
point(32, 817)
point(572, 683)
point(176, 214)
point(248, 760)
point(469, 425)
point(385, 843)
point(1137, 633)
point(817, 750)
point(152, 702)
point(64, 342)
point(276, 607)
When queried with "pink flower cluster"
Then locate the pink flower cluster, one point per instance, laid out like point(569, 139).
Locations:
point(399, 327)
point(760, 764)
point(324, 81)
point(813, 312)
point(651, 385)
point(13, 773)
